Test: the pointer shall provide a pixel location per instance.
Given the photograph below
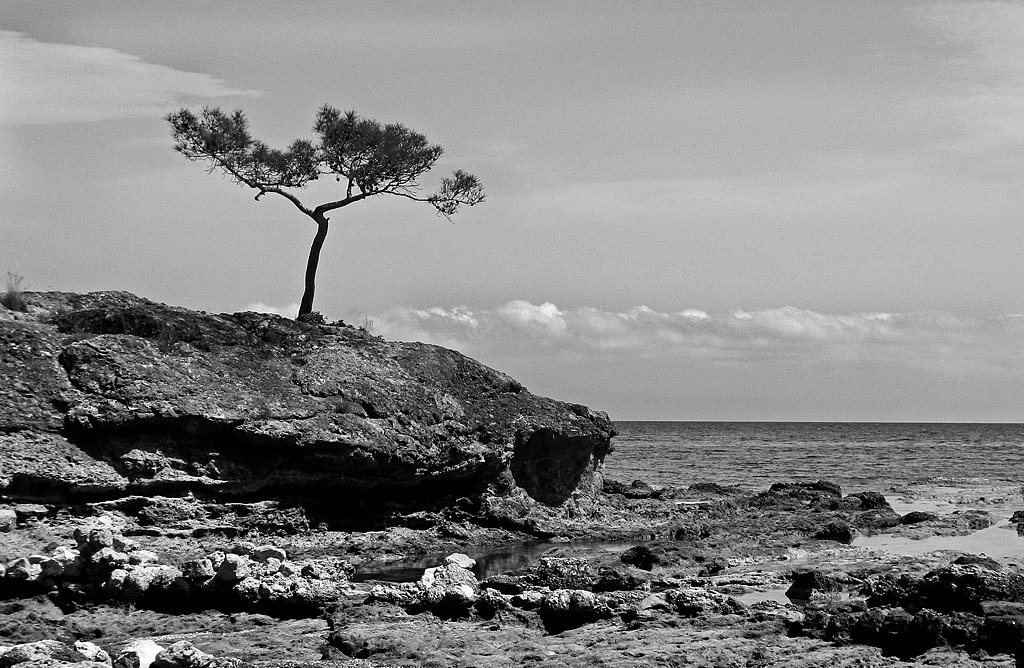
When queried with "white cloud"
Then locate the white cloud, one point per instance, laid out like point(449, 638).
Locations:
point(289, 311)
point(787, 332)
point(43, 82)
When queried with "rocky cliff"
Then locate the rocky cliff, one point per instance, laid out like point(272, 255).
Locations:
point(107, 395)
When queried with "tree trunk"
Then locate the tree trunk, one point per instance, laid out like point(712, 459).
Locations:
point(311, 264)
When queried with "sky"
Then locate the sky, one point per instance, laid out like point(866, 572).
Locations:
point(695, 210)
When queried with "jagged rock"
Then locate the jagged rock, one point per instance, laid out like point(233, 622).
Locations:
point(820, 495)
point(8, 519)
point(138, 654)
point(197, 569)
point(868, 500)
point(840, 532)
point(621, 578)
point(506, 584)
point(460, 560)
point(808, 581)
point(265, 552)
point(448, 589)
point(109, 558)
point(28, 512)
point(43, 650)
point(141, 557)
point(400, 593)
point(640, 556)
point(918, 516)
point(184, 654)
point(693, 601)
point(966, 586)
point(141, 581)
point(63, 562)
point(638, 489)
point(564, 609)
point(92, 652)
point(562, 573)
point(125, 393)
point(23, 569)
point(234, 568)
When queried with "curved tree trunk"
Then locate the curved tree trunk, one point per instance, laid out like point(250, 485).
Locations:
point(311, 264)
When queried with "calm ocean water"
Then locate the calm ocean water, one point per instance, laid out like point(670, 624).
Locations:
point(858, 456)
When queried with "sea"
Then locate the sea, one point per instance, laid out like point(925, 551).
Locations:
point(859, 456)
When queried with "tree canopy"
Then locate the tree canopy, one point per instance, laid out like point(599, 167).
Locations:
point(366, 157)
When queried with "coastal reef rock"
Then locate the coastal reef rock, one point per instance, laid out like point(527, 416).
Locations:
point(107, 395)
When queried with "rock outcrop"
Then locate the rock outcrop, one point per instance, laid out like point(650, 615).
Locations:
point(107, 395)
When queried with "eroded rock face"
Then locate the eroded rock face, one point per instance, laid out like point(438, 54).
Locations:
point(108, 395)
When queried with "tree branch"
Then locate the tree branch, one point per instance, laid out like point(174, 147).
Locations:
point(331, 206)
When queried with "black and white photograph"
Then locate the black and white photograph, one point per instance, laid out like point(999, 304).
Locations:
point(478, 334)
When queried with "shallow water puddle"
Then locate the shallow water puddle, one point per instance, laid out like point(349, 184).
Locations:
point(490, 560)
point(998, 541)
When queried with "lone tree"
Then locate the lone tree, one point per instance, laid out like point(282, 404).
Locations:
point(367, 158)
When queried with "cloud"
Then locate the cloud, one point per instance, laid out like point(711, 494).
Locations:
point(44, 83)
point(521, 328)
point(289, 311)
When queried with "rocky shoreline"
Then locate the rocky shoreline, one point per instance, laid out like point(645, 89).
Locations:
point(723, 576)
point(182, 489)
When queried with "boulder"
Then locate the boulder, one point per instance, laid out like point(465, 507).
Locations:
point(263, 553)
point(694, 601)
point(460, 560)
point(23, 569)
point(197, 569)
point(807, 581)
point(838, 531)
point(64, 562)
point(29, 512)
point(563, 573)
point(448, 589)
point(125, 393)
point(138, 653)
point(234, 568)
point(641, 556)
point(184, 654)
point(43, 650)
point(8, 520)
point(92, 652)
point(565, 609)
point(620, 578)
point(918, 516)
point(967, 585)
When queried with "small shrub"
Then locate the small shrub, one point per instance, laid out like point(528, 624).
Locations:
point(12, 298)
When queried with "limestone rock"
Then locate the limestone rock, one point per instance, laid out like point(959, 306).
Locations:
point(184, 654)
point(460, 560)
point(565, 609)
point(43, 650)
point(563, 573)
point(448, 588)
point(124, 393)
point(693, 601)
point(8, 519)
point(92, 652)
point(138, 653)
point(265, 552)
point(234, 568)
point(23, 569)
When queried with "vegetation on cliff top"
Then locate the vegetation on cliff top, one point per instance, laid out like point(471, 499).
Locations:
point(367, 158)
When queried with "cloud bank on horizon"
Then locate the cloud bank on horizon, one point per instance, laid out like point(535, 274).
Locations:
point(737, 335)
point(780, 363)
